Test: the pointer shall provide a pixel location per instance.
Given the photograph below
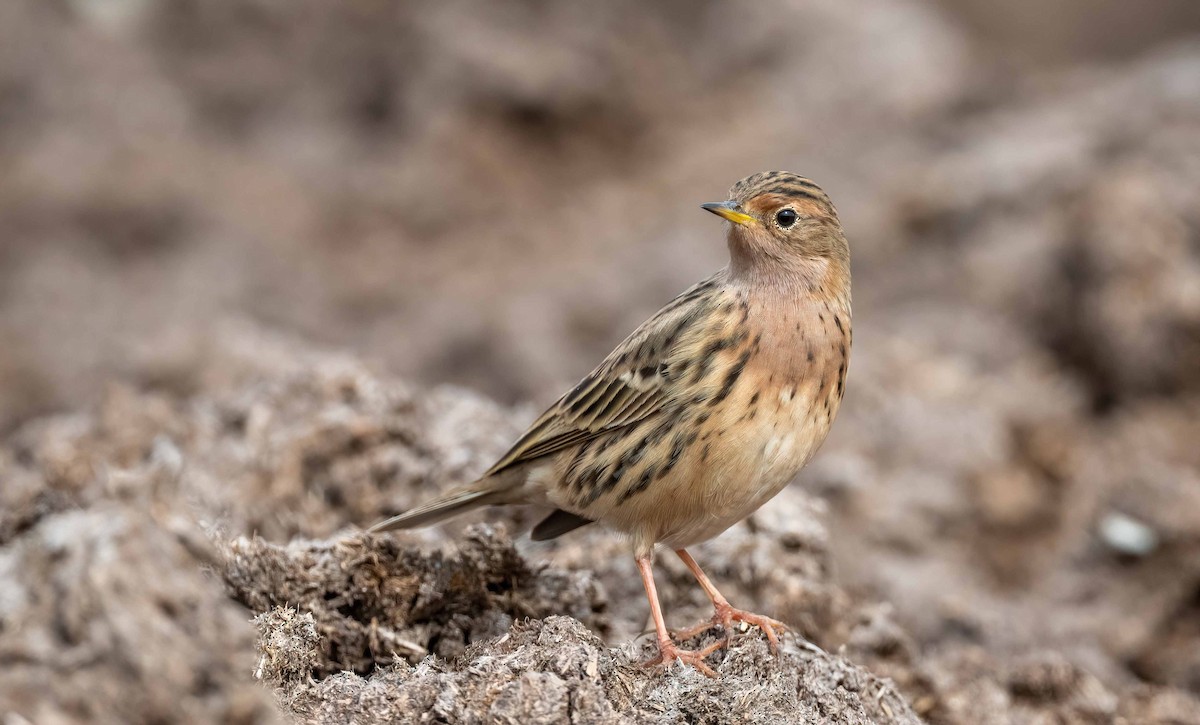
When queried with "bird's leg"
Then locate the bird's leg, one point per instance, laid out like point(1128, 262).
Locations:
point(726, 614)
point(668, 650)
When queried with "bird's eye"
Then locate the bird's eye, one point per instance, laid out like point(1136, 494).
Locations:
point(785, 218)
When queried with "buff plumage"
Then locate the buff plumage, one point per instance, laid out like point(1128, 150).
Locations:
point(707, 410)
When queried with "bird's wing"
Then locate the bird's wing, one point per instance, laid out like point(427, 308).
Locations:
point(633, 383)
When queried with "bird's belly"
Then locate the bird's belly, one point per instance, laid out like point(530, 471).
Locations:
point(768, 459)
point(726, 477)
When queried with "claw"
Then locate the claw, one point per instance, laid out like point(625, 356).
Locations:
point(669, 652)
point(726, 615)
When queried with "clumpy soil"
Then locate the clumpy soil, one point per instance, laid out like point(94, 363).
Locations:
point(121, 576)
point(136, 587)
point(271, 272)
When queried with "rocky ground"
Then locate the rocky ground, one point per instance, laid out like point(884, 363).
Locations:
point(244, 247)
point(140, 539)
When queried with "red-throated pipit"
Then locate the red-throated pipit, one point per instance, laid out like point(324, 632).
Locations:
point(707, 410)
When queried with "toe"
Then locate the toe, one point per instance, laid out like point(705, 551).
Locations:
point(713, 648)
point(670, 652)
point(770, 627)
point(704, 669)
point(688, 633)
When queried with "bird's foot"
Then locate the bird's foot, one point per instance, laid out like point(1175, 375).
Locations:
point(669, 652)
point(724, 618)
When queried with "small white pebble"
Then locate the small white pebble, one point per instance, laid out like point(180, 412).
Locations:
point(1127, 535)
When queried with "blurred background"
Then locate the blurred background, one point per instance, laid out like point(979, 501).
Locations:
point(493, 194)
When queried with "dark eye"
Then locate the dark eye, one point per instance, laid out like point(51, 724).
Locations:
point(785, 218)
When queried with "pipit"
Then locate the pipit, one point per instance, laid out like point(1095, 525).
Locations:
point(706, 411)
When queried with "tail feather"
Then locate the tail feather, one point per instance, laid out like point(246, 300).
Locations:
point(557, 524)
point(438, 509)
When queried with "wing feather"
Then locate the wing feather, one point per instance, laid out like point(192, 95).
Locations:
point(633, 383)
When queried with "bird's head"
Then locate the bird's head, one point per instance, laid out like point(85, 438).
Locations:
point(780, 219)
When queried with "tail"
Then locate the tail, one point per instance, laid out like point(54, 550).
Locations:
point(439, 509)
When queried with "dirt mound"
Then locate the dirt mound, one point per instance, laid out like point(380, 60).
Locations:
point(555, 671)
point(371, 598)
point(134, 561)
point(108, 616)
point(119, 575)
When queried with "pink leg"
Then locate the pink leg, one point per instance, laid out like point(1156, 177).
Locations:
point(668, 650)
point(726, 614)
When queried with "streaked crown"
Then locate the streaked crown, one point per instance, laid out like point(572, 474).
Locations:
point(780, 183)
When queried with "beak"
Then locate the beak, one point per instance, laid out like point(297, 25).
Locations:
point(728, 210)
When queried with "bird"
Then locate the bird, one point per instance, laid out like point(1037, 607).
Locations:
point(704, 413)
